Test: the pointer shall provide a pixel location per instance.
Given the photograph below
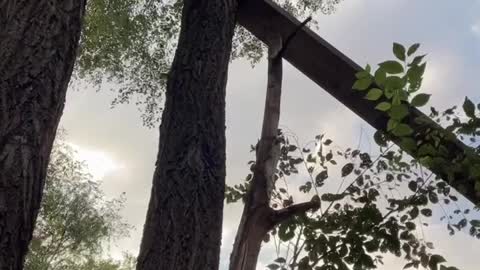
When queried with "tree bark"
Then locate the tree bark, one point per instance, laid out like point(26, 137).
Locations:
point(38, 43)
point(183, 227)
point(258, 218)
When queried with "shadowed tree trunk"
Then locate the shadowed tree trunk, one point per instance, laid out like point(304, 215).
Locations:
point(38, 43)
point(183, 227)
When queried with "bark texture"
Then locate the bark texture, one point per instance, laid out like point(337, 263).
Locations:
point(38, 43)
point(183, 227)
point(258, 218)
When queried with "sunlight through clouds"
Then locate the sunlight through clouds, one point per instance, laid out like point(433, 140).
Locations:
point(98, 162)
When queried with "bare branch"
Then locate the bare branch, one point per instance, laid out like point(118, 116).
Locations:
point(296, 209)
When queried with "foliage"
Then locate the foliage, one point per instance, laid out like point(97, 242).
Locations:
point(75, 220)
point(380, 203)
point(131, 43)
point(128, 262)
point(394, 86)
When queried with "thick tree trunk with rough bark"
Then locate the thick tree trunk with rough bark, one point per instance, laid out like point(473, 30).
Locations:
point(38, 44)
point(183, 227)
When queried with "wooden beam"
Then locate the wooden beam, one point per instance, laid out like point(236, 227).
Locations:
point(335, 73)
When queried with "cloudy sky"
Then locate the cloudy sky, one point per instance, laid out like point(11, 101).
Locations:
point(121, 152)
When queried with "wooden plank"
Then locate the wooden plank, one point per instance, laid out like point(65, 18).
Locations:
point(335, 73)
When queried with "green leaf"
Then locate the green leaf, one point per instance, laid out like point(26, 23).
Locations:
point(402, 130)
point(322, 176)
point(469, 108)
point(417, 60)
point(380, 76)
point(392, 67)
point(273, 266)
point(383, 106)
point(414, 212)
point(403, 95)
point(391, 124)
point(374, 94)
point(413, 49)
point(330, 197)
point(415, 73)
point(395, 83)
point(362, 84)
point(410, 225)
point(398, 112)
point(368, 68)
point(362, 74)
point(347, 169)
point(412, 185)
point(286, 231)
point(426, 212)
point(434, 261)
point(380, 138)
point(420, 100)
point(427, 150)
point(475, 222)
point(442, 267)
point(408, 144)
point(389, 93)
point(399, 51)
point(433, 197)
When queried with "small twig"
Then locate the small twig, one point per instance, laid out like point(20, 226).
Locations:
point(353, 182)
point(411, 198)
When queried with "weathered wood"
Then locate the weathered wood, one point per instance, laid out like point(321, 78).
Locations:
point(258, 218)
point(334, 72)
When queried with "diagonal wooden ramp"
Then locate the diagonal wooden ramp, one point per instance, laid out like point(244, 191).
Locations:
point(335, 73)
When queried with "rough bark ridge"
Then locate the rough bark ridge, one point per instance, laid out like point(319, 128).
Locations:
point(38, 43)
point(258, 218)
point(183, 227)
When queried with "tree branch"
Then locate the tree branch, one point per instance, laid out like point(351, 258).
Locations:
point(296, 209)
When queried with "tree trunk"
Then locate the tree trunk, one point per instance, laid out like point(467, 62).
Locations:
point(183, 228)
point(255, 223)
point(38, 43)
point(258, 218)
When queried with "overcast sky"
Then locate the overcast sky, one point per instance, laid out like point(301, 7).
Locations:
point(122, 152)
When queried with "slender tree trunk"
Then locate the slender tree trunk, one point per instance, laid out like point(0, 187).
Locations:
point(38, 43)
point(183, 227)
point(258, 218)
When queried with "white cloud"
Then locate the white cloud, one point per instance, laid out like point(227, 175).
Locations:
point(98, 162)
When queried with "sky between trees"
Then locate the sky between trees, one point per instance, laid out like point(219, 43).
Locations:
point(449, 33)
